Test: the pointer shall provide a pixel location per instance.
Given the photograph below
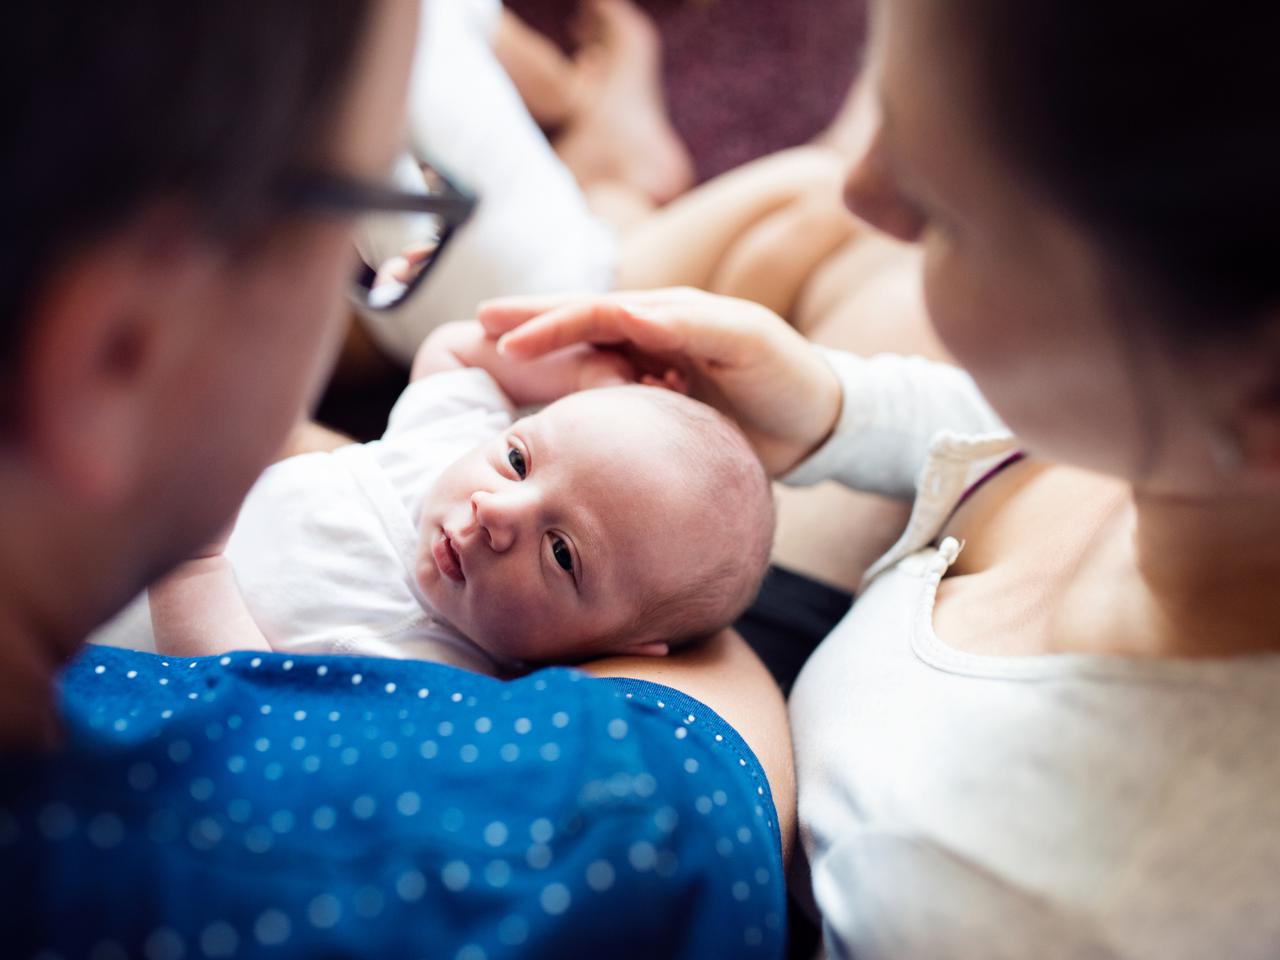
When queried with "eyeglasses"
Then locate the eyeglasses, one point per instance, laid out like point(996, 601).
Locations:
point(405, 227)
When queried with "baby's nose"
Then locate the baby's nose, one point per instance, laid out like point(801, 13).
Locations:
point(500, 517)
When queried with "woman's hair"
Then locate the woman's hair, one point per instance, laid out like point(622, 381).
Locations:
point(115, 104)
point(1155, 124)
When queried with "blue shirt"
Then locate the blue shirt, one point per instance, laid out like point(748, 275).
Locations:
point(264, 805)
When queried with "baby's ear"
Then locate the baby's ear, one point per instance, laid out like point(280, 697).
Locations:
point(650, 648)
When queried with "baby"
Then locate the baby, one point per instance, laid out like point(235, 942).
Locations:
point(619, 520)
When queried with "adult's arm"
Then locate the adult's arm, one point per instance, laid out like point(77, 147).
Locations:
point(873, 418)
point(726, 675)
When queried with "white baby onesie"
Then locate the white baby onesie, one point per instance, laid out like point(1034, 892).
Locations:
point(325, 544)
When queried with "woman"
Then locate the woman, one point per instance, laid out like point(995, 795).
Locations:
point(162, 324)
point(1045, 727)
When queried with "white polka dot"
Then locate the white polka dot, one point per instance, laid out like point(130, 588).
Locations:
point(560, 719)
point(541, 830)
point(445, 729)
point(661, 705)
point(410, 886)
point(666, 819)
point(469, 753)
point(357, 679)
point(644, 784)
point(105, 831)
point(324, 911)
point(617, 728)
point(255, 662)
point(224, 660)
point(741, 890)
point(600, 876)
point(483, 725)
point(691, 765)
point(497, 873)
point(408, 803)
point(388, 750)
point(742, 762)
point(550, 752)
point(99, 669)
point(265, 709)
point(272, 928)
point(239, 810)
point(495, 834)
point(369, 902)
point(166, 714)
point(164, 681)
point(681, 732)
point(273, 771)
point(287, 665)
point(456, 875)
point(204, 834)
point(324, 818)
point(349, 756)
point(311, 763)
point(193, 695)
point(322, 670)
point(720, 798)
point(299, 714)
point(120, 724)
point(258, 840)
point(760, 791)
point(56, 821)
point(234, 721)
point(164, 944)
point(334, 716)
point(523, 725)
point(762, 876)
point(192, 665)
point(471, 952)
point(642, 855)
point(509, 752)
point(363, 807)
point(164, 663)
point(456, 698)
point(428, 749)
point(298, 743)
point(132, 674)
point(262, 744)
point(513, 930)
point(422, 693)
point(390, 688)
point(724, 847)
point(719, 738)
point(538, 856)
point(702, 805)
point(744, 835)
point(555, 898)
point(335, 740)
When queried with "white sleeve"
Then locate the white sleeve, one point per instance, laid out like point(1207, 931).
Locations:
point(434, 399)
point(894, 407)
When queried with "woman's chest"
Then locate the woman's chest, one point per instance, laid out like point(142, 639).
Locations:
point(1026, 534)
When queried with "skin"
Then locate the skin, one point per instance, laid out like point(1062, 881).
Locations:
point(161, 375)
point(572, 486)
point(1124, 535)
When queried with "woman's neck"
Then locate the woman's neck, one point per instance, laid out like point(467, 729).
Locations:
point(1207, 572)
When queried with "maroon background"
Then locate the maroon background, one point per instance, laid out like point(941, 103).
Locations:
point(744, 77)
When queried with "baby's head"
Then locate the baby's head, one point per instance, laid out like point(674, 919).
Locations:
point(620, 520)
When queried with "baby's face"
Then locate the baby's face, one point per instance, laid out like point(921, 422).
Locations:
point(548, 538)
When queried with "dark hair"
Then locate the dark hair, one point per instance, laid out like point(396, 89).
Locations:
point(114, 104)
point(1155, 124)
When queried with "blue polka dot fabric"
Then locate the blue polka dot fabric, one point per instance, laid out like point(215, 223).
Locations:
point(263, 805)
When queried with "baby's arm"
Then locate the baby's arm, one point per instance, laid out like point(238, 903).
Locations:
point(197, 610)
point(455, 346)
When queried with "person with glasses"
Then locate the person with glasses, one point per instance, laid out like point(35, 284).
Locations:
point(183, 185)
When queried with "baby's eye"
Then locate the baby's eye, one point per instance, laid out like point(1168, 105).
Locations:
point(560, 550)
point(516, 459)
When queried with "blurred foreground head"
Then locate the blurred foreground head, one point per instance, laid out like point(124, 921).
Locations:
point(166, 311)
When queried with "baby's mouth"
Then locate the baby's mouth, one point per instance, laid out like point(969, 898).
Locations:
point(446, 557)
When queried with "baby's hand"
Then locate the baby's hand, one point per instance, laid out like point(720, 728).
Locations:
point(580, 367)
